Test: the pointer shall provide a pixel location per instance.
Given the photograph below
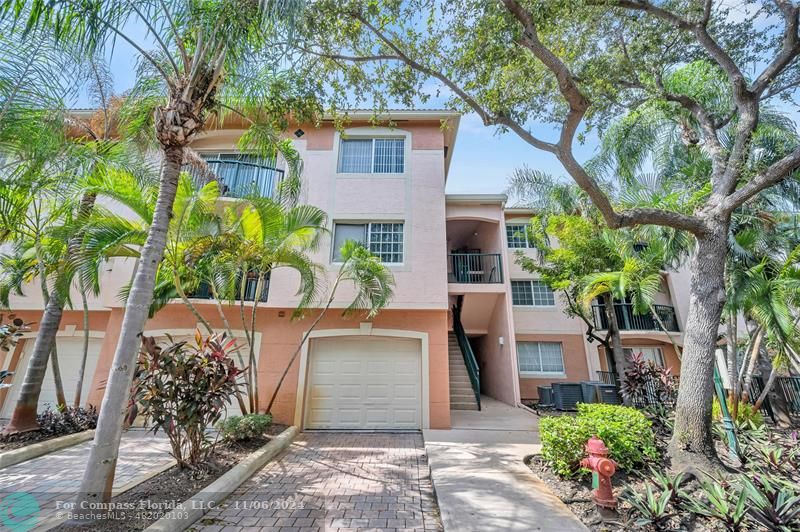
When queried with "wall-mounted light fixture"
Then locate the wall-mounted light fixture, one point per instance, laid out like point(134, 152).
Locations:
point(299, 133)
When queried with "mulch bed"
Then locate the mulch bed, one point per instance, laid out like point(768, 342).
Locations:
point(577, 494)
point(16, 441)
point(175, 485)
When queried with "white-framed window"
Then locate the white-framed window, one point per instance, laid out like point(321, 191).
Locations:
point(540, 358)
point(653, 354)
point(383, 239)
point(372, 156)
point(517, 235)
point(532, 293)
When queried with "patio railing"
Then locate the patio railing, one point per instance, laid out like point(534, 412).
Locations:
point(630, 321)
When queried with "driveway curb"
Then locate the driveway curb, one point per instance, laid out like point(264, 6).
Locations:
point(200, 503)
point(29, 452)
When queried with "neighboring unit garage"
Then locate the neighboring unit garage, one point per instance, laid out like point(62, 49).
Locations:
point(364, 383)
point(70, 353)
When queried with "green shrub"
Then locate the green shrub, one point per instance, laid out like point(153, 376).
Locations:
point(626, 432)
point(248, 427)
point(745, 415)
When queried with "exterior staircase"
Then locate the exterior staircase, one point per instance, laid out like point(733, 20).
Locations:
point(462, 397)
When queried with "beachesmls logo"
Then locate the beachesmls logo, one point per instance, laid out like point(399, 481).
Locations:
point(18, 511)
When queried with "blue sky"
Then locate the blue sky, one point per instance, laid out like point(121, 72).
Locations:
point(482, 159)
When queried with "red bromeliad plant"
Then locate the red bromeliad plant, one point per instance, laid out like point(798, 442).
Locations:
point(648, 384)
point(183, 389)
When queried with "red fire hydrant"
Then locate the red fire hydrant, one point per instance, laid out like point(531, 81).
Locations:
point(602, 468)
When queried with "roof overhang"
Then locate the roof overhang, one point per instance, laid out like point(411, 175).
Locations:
point(480, 199)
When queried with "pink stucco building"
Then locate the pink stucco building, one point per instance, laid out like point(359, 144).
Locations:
point(453, 261)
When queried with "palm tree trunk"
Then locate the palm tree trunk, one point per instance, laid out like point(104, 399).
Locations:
point(24, 417)
point(675, 346)
point(186, 301)
point(61, 398)
point(751, 366)
point(98, 477)
point(691, 446)
point(61, 401)
point(617, 351)
point(773, 376)
point(300, 347)
point(82, 368)
point(733, 358)
point(253, 361)
point(249, 374)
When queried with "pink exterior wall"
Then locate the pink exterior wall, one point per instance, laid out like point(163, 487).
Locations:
point(281, 336)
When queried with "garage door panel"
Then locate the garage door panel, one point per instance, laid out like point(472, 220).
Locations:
point(371, 383)
point(70, 354)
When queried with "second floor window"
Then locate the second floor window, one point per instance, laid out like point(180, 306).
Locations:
point(517, 235)
point(540, 357)
point(372, 156)
point(532, 293)
point(383, 239)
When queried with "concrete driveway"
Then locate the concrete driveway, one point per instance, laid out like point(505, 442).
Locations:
point(335, 481)
point(480, 479)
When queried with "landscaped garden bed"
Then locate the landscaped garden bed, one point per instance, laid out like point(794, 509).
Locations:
point(762, 492)
point(155, 496)
point(53, 424)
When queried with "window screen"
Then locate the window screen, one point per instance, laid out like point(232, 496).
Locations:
point(383, 239)
point(540, 357)
point(380, 156)
point(517, 235)
point(532, 294)
point(345, 232)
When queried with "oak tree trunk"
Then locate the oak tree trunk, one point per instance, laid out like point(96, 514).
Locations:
point(98, 477)
point(691, 446)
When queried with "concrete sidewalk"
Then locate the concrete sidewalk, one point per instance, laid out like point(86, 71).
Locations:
point(480, 479)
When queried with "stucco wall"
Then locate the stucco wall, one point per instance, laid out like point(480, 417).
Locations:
point(575, 367)
point(280, 336)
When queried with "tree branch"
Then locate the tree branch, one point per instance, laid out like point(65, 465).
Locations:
point(774, 174)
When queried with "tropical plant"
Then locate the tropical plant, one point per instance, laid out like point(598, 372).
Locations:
point(745, 415)
point(11, 331)
point(576, 67)
point(773, 504)
point(249, 241)
point(373, 284)
point(211, 59)
point(248, 427)
point(646, 383)
point(651, 508)
point(183, 389)
point(726, 503)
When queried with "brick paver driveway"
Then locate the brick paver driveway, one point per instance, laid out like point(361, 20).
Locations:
point(336, 481)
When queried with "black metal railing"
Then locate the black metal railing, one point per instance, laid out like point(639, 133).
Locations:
point(241, 178)
point(203, 290)
point(475, 268)
point(629, 321)
point(470, 361)
point(790, 387)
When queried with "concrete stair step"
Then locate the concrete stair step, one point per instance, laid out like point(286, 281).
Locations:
point(463, 406)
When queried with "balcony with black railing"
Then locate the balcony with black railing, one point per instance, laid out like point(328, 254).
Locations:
point(239, 178)
point(203, 290)
point(630, 321)
point(475, 268)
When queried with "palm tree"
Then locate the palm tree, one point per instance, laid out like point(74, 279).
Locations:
point(249, 241)
point(373, 284)
point(84, 148)
point(639, 280)
point(201, 49)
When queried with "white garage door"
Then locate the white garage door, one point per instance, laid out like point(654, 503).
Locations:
point(364, 384)
point(70, 352)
